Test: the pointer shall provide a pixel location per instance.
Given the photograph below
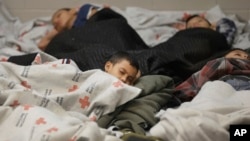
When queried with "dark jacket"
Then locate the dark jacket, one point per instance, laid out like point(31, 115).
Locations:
point(138, 115)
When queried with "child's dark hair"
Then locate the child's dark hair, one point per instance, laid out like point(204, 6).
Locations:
point(233, 49)
point(65, 9)
point(196, 15)
point(122, 55)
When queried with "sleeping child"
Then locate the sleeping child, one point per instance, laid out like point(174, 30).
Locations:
point(224, 26)
point(123, 66)
point(232, 68)
point(62, 95)
point(120, 64)
point(67, 18)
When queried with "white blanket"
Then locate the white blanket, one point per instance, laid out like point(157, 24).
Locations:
point(16, 37)
point(207, 117)
point(56, 101)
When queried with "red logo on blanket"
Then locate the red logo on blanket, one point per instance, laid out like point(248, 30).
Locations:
point(118, 84)
point(25, 84)
point(73, 88)
point(84, 102)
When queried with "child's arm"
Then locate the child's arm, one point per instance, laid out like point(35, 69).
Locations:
point(46, 39)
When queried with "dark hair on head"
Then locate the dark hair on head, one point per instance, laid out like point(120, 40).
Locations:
point(196, 15)
point(233, 49)
point(65, 8)
point(122, 55)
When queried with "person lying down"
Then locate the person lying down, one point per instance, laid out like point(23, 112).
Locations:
point(60, 87)
point(55, 79)
point(232, 68)
point(67, 18)
point(61, 97)
point(214, 98)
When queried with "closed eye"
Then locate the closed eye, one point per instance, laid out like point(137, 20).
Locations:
point(122, 72)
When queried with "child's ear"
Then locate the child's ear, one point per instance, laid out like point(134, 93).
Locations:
point(138, 75)
point(107, 66)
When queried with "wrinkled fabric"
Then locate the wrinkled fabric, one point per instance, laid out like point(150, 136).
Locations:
point(213, 70)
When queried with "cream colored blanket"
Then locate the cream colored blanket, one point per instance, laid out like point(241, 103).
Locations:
point(206, 118)
point(55, 101)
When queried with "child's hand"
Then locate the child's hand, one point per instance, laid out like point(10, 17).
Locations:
point(51, 33)
point(47, 38)
point(179, 26)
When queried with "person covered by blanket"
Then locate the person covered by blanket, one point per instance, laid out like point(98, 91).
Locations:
point(123, 66)
point(135, 118)
point(67, 18)
point(224, 26)
point(232, 68)
point(120, 64)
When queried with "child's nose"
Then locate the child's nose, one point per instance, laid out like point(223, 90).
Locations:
point(123, 78)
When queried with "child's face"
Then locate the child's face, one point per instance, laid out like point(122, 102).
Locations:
point(123, 71)
point(198, 22)
point(60, 19)
point(237, 54)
